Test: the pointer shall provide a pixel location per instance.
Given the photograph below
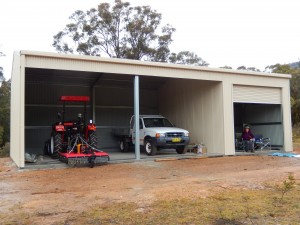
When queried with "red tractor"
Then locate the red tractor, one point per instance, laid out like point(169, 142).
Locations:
point(74, 141)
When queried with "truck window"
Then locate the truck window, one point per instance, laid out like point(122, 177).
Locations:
point(157, 122)
point(141, 124)
point(132, 123)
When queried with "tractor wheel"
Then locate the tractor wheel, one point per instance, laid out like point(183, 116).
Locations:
point(92, 139)
point(55, 144)
point(150, 149)
point(124, 147)
point(181, 150)
point(47, 147)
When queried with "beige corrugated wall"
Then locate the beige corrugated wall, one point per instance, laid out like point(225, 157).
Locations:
point(196, 106)
point(17, 144)
point(286, 114)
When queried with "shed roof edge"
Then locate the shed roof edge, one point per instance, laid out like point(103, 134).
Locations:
point(148, 63)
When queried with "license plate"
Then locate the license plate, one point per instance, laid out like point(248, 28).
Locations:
point(176, 139)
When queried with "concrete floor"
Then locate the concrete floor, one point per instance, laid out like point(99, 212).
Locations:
point(116, 156)
point(46, 162)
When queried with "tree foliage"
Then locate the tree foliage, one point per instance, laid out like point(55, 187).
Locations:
point(248, 68)
point(1, 74)
point(226, 67)
point(121, 31)
point(5, 111)
point(186, 57)
point(1, 69)
point(294, 87)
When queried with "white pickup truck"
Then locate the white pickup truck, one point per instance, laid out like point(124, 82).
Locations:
point(156, 132)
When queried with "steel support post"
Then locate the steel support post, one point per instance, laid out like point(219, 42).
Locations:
point(136, 117)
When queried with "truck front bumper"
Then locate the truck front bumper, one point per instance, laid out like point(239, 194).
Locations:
point(167, 142)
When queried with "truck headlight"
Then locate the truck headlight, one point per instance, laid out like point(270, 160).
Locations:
point(159, 135)
point(186, 134)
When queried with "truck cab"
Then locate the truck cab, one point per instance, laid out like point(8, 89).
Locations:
point(157, 132)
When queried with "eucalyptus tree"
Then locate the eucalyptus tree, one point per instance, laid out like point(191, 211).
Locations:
point(121, 31)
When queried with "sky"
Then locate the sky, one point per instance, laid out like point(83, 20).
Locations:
point(253, 33)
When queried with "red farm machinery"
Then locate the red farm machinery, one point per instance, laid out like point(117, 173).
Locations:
point(75, 141)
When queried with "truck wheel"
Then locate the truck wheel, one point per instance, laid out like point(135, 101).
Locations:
point(55, 144)
point(150, 149)
point(92, 139)
point(181, 150)
point(124, 147)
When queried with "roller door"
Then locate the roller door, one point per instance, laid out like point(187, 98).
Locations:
point(254, 94)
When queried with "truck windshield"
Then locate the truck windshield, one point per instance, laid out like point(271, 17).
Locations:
point(157, 122)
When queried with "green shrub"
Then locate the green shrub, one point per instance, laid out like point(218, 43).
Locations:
point(5, 150)
point(1, 135)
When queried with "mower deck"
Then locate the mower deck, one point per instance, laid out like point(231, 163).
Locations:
point(82, 158)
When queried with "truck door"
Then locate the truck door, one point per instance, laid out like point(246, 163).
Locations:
point(132, 130)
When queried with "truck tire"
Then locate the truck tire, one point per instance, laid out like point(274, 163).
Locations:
point(150, 149)
point(55, 144)
point(92, 139)
point(181, 150)
point(124, 146)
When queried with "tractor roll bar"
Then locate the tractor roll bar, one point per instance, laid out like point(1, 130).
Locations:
point(84, 99)
point(75, 98)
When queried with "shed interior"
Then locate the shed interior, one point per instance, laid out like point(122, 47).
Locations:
point(264, 119)
point(190, 104)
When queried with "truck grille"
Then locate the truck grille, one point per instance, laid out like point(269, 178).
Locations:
point(174, 135)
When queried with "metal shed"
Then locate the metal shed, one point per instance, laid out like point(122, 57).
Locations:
point(211, 103)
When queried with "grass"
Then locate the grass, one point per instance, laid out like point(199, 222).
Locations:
point(296, 136)
point(232, 207)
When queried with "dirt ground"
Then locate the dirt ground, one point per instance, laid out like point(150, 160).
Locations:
point(50, 196)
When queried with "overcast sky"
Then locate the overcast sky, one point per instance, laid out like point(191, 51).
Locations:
point(254, 33)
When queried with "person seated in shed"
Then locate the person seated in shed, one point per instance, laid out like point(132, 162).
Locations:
point(248, 139)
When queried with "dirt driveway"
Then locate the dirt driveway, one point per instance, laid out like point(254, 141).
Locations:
point(51, 196)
